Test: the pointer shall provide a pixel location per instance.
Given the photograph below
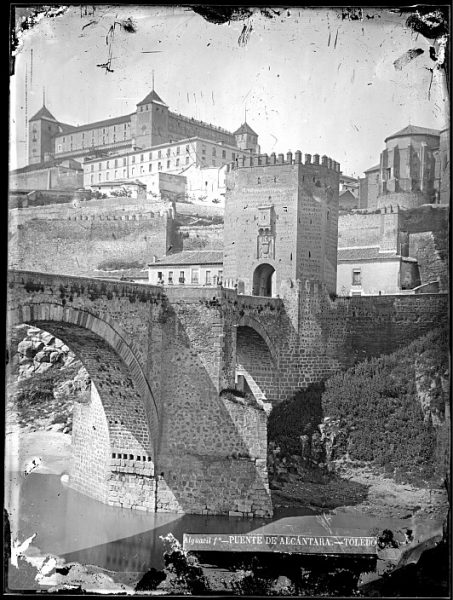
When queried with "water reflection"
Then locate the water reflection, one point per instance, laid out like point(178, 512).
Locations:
point(78, 528)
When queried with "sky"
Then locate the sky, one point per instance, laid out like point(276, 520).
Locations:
point(307, 79)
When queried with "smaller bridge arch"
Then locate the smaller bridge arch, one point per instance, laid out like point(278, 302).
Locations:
point(256, 360)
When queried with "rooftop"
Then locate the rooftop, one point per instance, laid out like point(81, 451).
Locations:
point(152, 97)
point(47, 165)
point(414, 130)
point(364, 253)
point(375, 168)
point(97, 124)
point(43, 113)
point(191, 257)
point(245, 128)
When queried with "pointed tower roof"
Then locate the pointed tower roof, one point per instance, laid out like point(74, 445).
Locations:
point(43, 113)
point(245, 128)
point(152, 97)
point(413, 130)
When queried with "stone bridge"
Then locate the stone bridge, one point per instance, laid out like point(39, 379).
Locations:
point(164, 429)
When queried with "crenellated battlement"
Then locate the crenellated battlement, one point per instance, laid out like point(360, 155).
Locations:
point(114, 216)
point(264, 160)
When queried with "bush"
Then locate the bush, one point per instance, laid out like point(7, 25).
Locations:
point(118, 264)
point(378, 403)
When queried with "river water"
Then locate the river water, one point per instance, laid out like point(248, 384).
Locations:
point(79, 529)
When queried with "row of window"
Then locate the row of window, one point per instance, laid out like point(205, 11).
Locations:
point(141, 171)
point(210, 277)
point(98, 131)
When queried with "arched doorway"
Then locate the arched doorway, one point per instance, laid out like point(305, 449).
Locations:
point(264, 280)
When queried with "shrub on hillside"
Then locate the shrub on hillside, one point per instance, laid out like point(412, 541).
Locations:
point(117, 264)
point(378, 404)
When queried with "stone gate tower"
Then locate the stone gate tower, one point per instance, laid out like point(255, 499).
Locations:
point(281, 223)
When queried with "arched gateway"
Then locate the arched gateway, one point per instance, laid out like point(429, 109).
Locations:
point(264, 280)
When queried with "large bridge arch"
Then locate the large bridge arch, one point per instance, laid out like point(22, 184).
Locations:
point(115, 434)
point(257, 360)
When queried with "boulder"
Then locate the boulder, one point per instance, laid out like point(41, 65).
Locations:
point(48, 338)
point(58, 343)
point(42, 357)
point(54, 357)
point(38, 345)
point(43, 367)
point(25, 348)
point(33, 331)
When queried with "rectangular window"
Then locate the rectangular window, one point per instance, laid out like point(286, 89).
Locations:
point(170, 276)
point(103, 140)
point(116, 163)
point(177, 162)
point(150, 167)
point(181, 277)
point(91, 178)
point(195, 276)
point(142, 169)
point(100, 177)
point(64, 139)
point(203, 150)
point(187, 160)
point(168, 164)
point(141, 157)
point(159, 277)
point(223, 153)
point(92, 167)
point(108, 164)
point(208, 278)
point(100, 166)
point(356, 277)
point(177, 150)
point(150, 156)
point(168, 151)
point(107, 176)
point(133, 159)
point(159, 166)
point(159, 154)
point(124, 162)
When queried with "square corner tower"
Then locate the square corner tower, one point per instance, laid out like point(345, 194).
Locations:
point(281, 223)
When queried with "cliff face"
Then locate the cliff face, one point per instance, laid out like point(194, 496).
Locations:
point(45, 379)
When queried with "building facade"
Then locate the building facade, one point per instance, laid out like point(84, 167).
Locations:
point(195, 159)
point(189, 268)
point(409, 173)
point(152, 124)
point(281, 223)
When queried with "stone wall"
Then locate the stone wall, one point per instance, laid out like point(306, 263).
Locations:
point(430, 249)
point(78, 243)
